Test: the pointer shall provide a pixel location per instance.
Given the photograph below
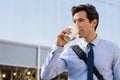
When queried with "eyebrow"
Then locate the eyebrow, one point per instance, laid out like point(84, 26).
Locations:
point(78, 19)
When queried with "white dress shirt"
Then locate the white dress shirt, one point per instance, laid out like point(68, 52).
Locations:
point(106, 60)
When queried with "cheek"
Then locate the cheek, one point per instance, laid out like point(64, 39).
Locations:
point(85, 31)
point(83, 27)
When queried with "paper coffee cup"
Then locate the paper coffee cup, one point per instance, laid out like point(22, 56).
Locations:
point(74, 32)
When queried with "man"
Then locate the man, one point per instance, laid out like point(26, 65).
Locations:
point(106, 53)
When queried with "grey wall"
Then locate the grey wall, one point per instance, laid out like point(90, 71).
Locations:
point(22, 54)
point(18, 55)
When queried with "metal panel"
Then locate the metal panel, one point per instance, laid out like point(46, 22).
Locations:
point(18, 55)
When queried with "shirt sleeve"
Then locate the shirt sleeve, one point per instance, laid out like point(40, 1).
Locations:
point(116, 65)
point(53, 65)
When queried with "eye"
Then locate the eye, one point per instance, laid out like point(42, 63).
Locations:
point(80, 20)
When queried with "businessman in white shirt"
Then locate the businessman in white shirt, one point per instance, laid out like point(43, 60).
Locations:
point(106, 53)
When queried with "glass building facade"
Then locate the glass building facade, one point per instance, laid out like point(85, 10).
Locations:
point(21, 61)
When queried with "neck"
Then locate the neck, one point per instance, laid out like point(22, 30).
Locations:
point(91, 37)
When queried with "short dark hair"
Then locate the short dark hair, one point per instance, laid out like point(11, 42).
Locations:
point(90, 11)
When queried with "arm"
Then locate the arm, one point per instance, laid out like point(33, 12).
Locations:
point(53, 64)
point(116, 65)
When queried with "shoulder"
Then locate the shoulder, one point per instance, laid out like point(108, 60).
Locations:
point(68, 52)
point(108, 43)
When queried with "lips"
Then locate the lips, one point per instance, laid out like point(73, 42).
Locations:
point(79, 32)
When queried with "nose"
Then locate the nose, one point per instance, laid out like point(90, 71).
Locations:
point(77, 24)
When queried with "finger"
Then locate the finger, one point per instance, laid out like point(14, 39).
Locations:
point(66, 31)
point(73, 38)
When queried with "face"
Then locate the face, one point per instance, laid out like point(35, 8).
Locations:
point(82, 22)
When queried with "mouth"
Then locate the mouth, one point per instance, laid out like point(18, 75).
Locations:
point(79, 31)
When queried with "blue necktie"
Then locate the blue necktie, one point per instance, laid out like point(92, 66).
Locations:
point(90, 62)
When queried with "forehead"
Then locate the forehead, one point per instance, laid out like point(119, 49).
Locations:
point(80, 14)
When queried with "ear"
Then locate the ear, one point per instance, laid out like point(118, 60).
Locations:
point(94, 23)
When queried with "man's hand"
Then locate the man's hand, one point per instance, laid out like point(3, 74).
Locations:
point(60, 37)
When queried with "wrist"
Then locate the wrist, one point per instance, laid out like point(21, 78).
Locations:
point(59, 44)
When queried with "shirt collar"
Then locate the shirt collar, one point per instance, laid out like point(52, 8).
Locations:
point(95, 41)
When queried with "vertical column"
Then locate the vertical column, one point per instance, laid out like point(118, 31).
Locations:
point(0, 74)
point(11, 76)
point(38, 63)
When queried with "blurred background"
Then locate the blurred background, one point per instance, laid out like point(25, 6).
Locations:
point(28, 29)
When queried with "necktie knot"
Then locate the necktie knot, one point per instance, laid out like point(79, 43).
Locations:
point(90, 44)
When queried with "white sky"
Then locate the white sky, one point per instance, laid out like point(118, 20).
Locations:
point(39, 21)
